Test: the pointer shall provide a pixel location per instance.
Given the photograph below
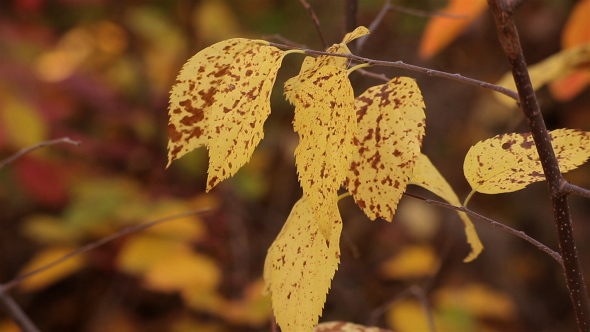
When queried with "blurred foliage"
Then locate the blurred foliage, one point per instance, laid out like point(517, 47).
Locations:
point(99, 71)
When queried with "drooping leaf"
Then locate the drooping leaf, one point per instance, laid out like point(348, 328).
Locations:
point(221, 99)
point(442, 30)
point(325, 122)
point(428, 177)
point(391, 124)
point(346, 327)
point(299, 268)
point(555, 67)
point(510, 162)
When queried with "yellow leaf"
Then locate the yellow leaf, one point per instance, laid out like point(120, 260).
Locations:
point(388, 139)
point(325, 122)
point(254, 309)
point(21, 122)
point(214, 20)
point(441, 31)
point(54, 274)
point(346, 327)
point(221, 99)
point(480, 300)
point(556, 66)
point(407, 316)
point(239, 111)
point(411, 262)
point(311, 65)
point(142, 251)
point(510, 162)
point(184, 269)
point(299, 268)
point(428, 177)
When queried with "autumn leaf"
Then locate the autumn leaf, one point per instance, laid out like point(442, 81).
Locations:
point(411, 262)
point(442, 30)
point(53, 274)
point(391, 124)
point(310, 64)
point(575, 32)
point(299, 268)
point(325, 122)
point(428, 177)
point(555, 67)
point(510, 162)
point(221, 99)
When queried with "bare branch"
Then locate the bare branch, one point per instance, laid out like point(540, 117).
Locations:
point(401, 64)
point(16, 313)
point(495, 224)
point(24, 151)
point(316, 22)
point(125, 231)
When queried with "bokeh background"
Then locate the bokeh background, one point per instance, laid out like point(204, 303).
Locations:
point(99, 71)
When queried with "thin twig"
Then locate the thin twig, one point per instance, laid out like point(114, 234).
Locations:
point(283, 40)
point(502, 11)
point(16, 313)
point(374, 75)
point(494, 223)
point(24, 151)
point(419, 293)
point(316, 22)
point(569, 188)
point(401, 64)
point(125, 231)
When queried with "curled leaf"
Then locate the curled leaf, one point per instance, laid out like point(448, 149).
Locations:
point(391, 124)
point(299, 268)
point(510, 162)
point(428, 177)
point(325, 122)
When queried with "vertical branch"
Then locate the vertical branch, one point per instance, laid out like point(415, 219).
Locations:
point(508, 35)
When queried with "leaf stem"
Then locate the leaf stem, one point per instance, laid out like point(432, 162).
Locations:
point(468, 198)
point(362, 65)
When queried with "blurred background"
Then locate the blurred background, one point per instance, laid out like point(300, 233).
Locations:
point(99, 71)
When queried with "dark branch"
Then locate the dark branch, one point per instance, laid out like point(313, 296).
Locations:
point(494, 223)
point(508, 35)
point(16, 313)
point(24, 151)
point(125, 231)
point(351, 9)
point(316, 22)
point(400, 64)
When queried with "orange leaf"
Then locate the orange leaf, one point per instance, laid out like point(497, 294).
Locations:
point(566, 88)
point(577, 30)
point(442, 30)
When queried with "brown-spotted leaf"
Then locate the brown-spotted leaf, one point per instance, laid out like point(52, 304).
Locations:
point(310, 64)
point(242, 104)
point(194, 92)
point(428, 177)
point(325, 122)
point(510, 162)
point(299, 268)
point(388, 139)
